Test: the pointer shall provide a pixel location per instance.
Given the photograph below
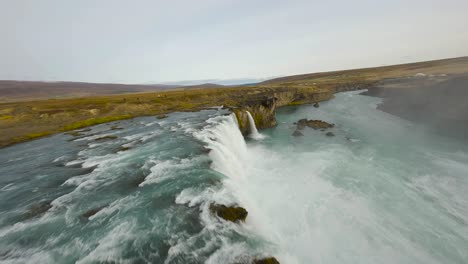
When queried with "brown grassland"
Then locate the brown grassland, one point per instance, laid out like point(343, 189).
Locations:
point(26, 120)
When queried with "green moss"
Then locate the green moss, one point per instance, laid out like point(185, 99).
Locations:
point(37, 135)
point(5, 117)
point(94, 121)
point(258, 119)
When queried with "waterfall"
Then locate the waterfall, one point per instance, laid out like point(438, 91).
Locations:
point(253, 129)
point(227, 145)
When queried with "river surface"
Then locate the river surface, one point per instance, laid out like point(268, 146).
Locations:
point(382, 190)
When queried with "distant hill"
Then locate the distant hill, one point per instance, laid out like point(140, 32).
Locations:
point(202, 86)
point(223, 82)
point(452, 65)
point(30, 90)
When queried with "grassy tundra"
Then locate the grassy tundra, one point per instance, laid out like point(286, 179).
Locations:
point(26, 120)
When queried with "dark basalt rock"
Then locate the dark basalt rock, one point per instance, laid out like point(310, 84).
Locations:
point(38, 209)
point(137, 181)
point(123, 149)
point(270, 260)
point(330, 134)
point(297, 133)
point(74, 134)
point(317, 105)
point(315, 124)
point(92, 212)
point(229, 213)
point(105, 138)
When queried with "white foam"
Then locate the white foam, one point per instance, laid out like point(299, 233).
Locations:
point(166, 169)
point(253, 129)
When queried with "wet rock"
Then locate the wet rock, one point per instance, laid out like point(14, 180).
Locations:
point(136, 180)
point(116, 128)
point(74, 134)
point(297, 133)
point(105, 138)
point(92, 212)
point(262, 110)
point(270, 260)
point(229, 213)
point(317, 105)
point(38, 209)
point(301, 124)
point(330, 134)
point(161, 116)
point(315, 124)
point(122, 148)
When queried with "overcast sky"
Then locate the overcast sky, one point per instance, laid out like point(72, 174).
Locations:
point(160, 41)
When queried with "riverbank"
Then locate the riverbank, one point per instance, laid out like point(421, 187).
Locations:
point(27, 120)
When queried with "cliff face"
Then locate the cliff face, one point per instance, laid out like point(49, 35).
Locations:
point(263, 107)
point(262, 111)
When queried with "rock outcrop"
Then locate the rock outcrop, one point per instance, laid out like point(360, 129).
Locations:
point(315, 124)
point(91, 212)
point(297, 133)
point(108, 137)
point(37, 209)
point(263, 107)
point(270, 260)
point(262, 111)
point(229, 213)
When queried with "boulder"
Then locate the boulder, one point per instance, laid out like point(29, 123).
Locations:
point(315, 124)
point(297, 133)
point(91, 212)
point(161, 116)
point(38, 209)
point(301, 124)
point(269, 260)
point(229, 213)
point(105, 138)
point(122, 148)
point(317, 105)
point(74, 134)
point(330, 134)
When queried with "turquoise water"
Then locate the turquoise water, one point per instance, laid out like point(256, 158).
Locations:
point(383, 190)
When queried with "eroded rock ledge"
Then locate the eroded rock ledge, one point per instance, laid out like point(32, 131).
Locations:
point(263, 107)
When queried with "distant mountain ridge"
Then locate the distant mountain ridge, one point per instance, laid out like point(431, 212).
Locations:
point(32, 90)
point(224, 82)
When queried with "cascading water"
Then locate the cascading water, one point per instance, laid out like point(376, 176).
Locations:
point(253, 129)
point(226, 144)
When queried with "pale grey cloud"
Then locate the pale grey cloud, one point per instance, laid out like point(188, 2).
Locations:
point(145, 41)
